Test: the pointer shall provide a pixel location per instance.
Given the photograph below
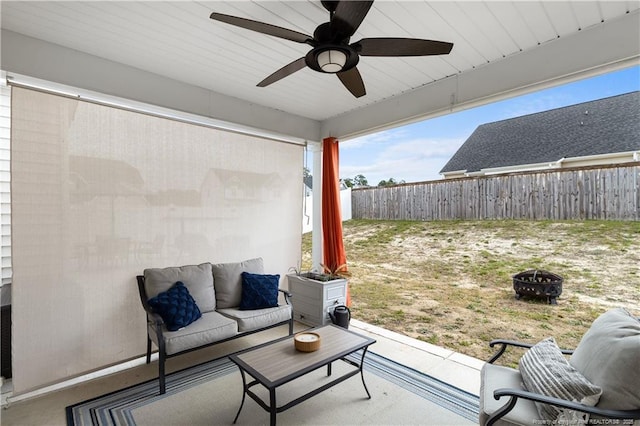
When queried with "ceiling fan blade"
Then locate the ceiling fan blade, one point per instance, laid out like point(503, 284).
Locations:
point(348, 16)
point(353, 82)
point(261, 27)
point(401, 47)
point(289, 69)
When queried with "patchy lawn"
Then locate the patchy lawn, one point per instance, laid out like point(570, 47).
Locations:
point(450, 282)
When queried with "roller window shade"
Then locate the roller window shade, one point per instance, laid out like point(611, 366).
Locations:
point(5, 184)
point(100, 193)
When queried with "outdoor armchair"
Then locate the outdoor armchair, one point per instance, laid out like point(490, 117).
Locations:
point(599, 384)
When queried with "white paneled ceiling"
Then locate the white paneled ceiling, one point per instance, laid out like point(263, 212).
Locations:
point(178, 40)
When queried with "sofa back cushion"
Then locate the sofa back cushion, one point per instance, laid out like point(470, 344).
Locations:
point(197, 278)
point(227, 280)
point(609, 356)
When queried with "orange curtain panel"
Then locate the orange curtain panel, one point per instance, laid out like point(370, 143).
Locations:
point(335, 257)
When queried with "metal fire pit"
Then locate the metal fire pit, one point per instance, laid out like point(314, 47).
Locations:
point(538, 284)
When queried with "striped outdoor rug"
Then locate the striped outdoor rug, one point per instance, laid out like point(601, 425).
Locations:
point(210, 393)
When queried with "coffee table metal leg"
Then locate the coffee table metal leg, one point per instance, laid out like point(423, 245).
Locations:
point(272, 405)
point(364, 352)
point(244, 394)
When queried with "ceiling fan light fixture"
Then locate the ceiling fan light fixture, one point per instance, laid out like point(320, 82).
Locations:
point(331, 60)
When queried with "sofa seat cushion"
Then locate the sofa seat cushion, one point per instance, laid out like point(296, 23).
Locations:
point(608, 355)
point(258, 318)
point(197, 278)
point(227, 280)
point(211, 327)
point(496, 377)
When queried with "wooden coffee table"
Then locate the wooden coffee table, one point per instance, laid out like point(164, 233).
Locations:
point(275, 363)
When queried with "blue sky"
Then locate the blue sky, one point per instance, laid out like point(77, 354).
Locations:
point(417, 152)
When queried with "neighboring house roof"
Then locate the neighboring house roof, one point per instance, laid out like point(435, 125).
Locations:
point(598, 127)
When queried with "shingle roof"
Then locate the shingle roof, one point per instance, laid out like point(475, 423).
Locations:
point(598, 127)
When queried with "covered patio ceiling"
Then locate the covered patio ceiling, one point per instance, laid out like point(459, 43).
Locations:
point(170, 54)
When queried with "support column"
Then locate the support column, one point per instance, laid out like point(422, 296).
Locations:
point(316, 233)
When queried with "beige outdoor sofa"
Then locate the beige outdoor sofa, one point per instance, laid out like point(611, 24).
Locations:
point(598, 384)
point(217, 309)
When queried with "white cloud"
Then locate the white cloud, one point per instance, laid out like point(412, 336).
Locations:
point(426, 148)
point(374, 139)
point(412, 160)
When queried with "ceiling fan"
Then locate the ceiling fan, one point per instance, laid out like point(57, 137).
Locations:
point(331, 51)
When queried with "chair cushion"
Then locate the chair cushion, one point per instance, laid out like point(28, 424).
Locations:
point(546, 371)
point(227, 280)
point(176, 307)
point(609, 356)
point(496, 377)
point(211, 327)
point(258, 318)
point(197, 278)
point(259, 291)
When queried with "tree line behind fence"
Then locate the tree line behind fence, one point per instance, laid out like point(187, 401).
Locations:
point(606, 192)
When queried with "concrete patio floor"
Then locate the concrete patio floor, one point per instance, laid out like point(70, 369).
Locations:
point(48, 407)
point(451, 367)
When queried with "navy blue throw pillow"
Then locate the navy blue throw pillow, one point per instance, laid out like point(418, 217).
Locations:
point(176, 307)
point(259, 291)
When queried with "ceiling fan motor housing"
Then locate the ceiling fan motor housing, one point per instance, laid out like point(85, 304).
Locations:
point(324, 39)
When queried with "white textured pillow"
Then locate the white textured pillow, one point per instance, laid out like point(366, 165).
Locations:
point(546, 371)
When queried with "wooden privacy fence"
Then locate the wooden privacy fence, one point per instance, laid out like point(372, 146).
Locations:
point(604, 192)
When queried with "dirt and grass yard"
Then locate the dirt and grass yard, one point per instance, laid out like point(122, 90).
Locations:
point(450, 283)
